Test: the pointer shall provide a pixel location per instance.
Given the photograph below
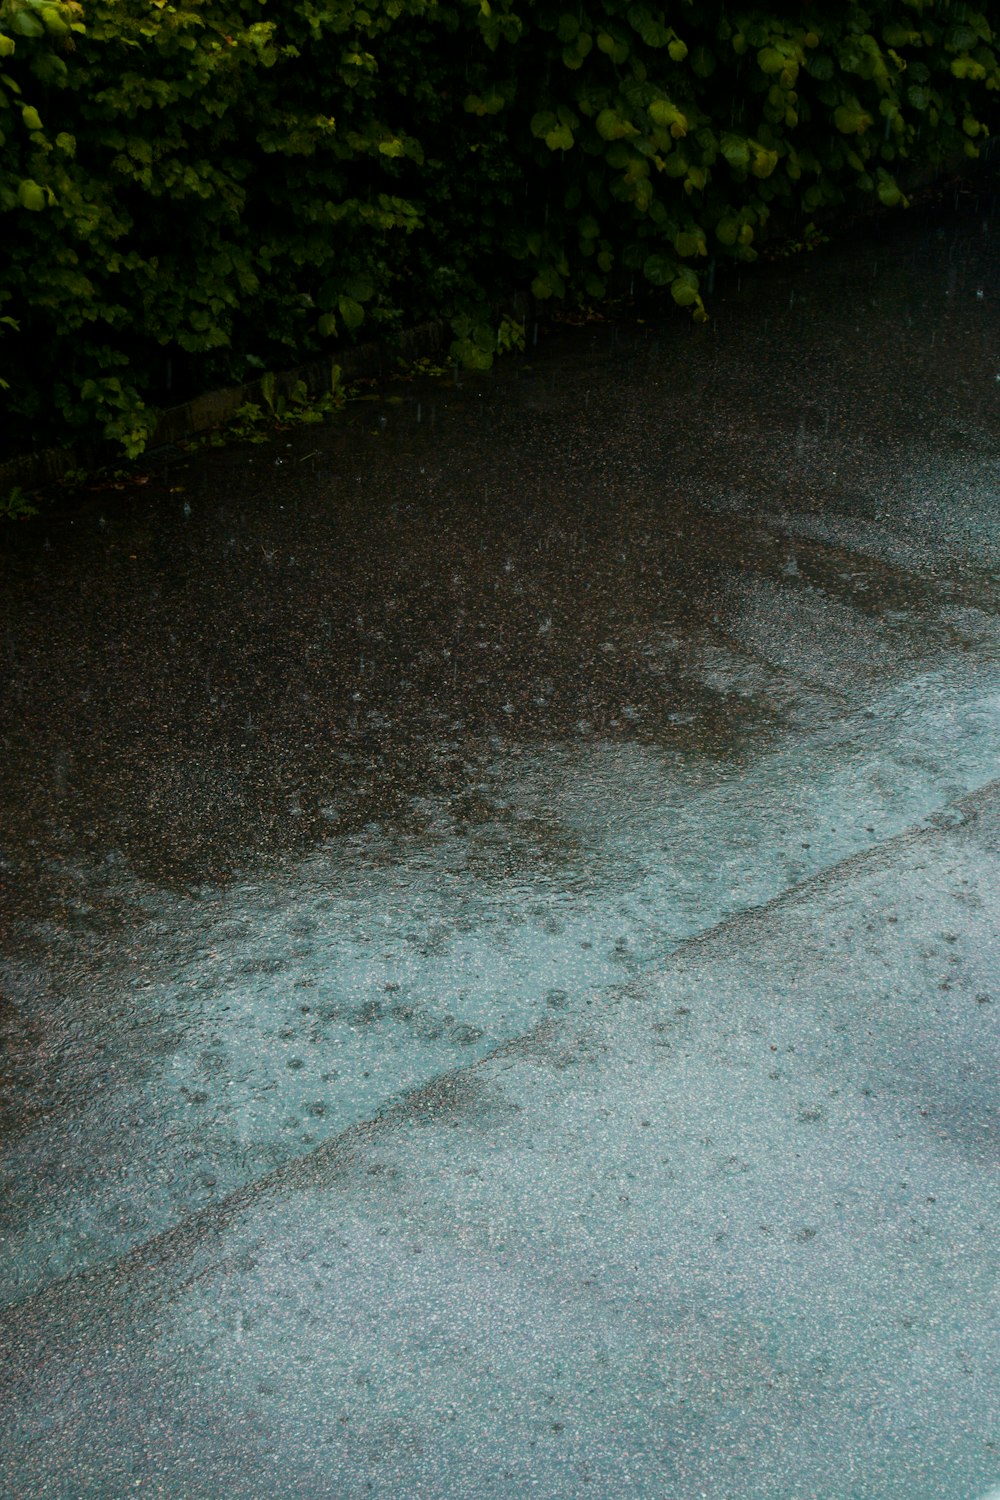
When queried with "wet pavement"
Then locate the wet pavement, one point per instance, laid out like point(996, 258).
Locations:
point(500, 912)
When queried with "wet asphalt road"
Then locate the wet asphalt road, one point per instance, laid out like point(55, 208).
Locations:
point(500, 914)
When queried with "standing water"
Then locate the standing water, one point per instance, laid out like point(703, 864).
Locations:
point(336, 766)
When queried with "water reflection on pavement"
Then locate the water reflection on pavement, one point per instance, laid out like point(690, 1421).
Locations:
point(334, 766)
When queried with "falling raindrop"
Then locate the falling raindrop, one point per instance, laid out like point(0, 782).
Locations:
point(60, 771)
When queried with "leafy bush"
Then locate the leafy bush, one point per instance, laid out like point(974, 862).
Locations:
point(192, 193)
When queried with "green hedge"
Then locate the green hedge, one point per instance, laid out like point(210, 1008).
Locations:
point(217, 187)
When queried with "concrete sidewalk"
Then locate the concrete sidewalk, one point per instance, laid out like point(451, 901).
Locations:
point(728, 1232)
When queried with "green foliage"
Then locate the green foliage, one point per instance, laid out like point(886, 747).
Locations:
point(510, 336)
point(7, 322)
point(16, 506)
point(217, 187)
point(253, 423)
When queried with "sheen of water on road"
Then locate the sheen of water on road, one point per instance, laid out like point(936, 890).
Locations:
point(333, 764)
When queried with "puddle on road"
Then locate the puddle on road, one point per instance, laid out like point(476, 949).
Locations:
point(379, 755)
point(235, 1029)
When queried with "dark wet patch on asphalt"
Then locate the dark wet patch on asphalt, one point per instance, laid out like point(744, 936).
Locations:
point(325, 773)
